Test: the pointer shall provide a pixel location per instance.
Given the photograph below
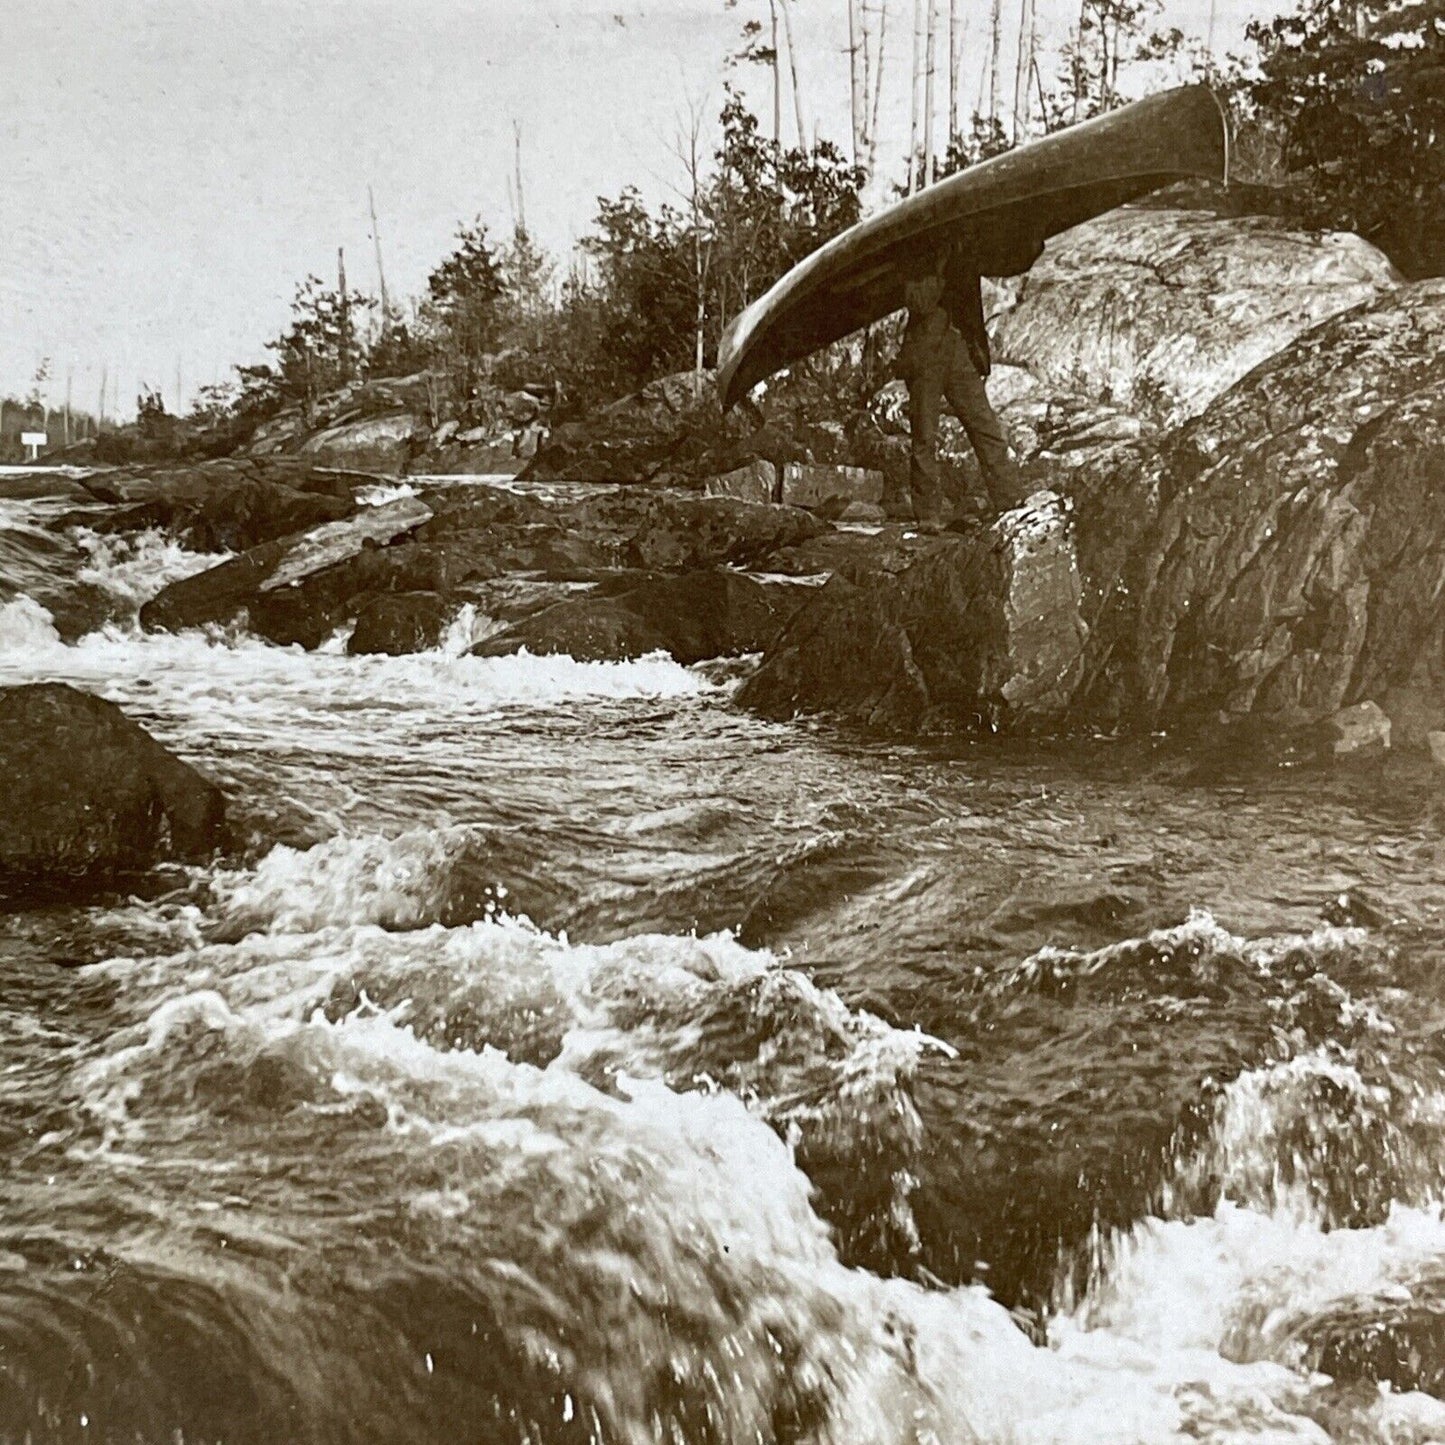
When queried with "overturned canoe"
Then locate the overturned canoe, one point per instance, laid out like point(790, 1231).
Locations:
point(1003, 209)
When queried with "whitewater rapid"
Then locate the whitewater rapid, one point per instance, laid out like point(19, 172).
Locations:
point(564, 1056)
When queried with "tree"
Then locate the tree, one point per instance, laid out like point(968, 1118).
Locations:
point(1357, 90)
point(463, 296)
point(318, 352)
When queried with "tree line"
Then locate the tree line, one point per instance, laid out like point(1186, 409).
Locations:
point(1339, 112)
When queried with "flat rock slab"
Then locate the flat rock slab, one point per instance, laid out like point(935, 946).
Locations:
point(89, 794)
point(217, 595)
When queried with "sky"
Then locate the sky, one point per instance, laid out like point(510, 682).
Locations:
point(172, 168)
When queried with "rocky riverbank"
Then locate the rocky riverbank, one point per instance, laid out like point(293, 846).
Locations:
point(1237, 440)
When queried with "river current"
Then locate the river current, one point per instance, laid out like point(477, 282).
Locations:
point(569, 1056)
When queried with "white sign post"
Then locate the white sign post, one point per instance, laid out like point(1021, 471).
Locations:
point(34, 440)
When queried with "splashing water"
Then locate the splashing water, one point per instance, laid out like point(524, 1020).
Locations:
point(567, 1057)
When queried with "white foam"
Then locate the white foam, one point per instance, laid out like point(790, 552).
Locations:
point(134, 568)
point(26, 628)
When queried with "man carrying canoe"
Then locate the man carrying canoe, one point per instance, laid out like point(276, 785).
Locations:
point(945, 356)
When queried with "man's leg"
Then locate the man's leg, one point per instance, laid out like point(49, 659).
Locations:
point(925, 398)
point(966, 395)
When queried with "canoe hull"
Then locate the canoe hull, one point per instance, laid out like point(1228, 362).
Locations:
point(1002, 209)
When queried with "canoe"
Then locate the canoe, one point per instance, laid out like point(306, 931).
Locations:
point(1003, 209)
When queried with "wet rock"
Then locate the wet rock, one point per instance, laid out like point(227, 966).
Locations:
point(221, 508)
point(400, 622)
point(89, 794)
point(1358, 729)
point(814, 486)
point(981, 631)
point(221, 593)
point(689, 532)
point(712, 613)
point(1159, 312)
point(756, 482)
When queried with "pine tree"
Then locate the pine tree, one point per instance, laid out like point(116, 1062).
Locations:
point(1357, 89)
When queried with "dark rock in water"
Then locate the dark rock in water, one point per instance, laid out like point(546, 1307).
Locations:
point(310, 610)
point(979, 631)
point(89, 794)
point(713, 613)
point(222, 507)
point(400, 622)
point(221, 593)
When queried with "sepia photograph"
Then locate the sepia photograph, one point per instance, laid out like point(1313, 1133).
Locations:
point(722, 722)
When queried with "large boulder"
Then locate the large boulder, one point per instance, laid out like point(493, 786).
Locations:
point(222, 592)
point(1279, 557)
point(1158, 312)
point(982, 630)
point(695, 616)
point(1283, 554)
point(400, 622)
point(90, 795)
point(381, 443)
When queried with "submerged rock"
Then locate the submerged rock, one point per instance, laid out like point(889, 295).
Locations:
point(89, 794)
point(713, 613)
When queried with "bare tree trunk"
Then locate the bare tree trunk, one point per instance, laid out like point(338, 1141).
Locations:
point(69, 379)
point(793, 72)
point(931, 51)
point(877, 89)
point(380, 269)
point(343, 344)
point(1021, 71)
point(521, 204)
point(995, 55)
point(955, 60)
point(777, 78)
point(913, 129)
point(100, 411)
point(858, 78)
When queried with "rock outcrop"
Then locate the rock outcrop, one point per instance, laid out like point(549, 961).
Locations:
point(1279, 557)
point(694, 616)
point(220, 506)
point(221, 593)
point(402, 569)
point(980, 630)
point(376, 443)
point(89, 795)
point(1158, 312)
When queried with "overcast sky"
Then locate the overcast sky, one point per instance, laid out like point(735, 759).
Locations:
point(171, 168)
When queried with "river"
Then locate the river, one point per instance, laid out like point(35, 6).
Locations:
point(569, 1056)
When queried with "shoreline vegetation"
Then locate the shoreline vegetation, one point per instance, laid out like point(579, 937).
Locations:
point(1335, 112)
